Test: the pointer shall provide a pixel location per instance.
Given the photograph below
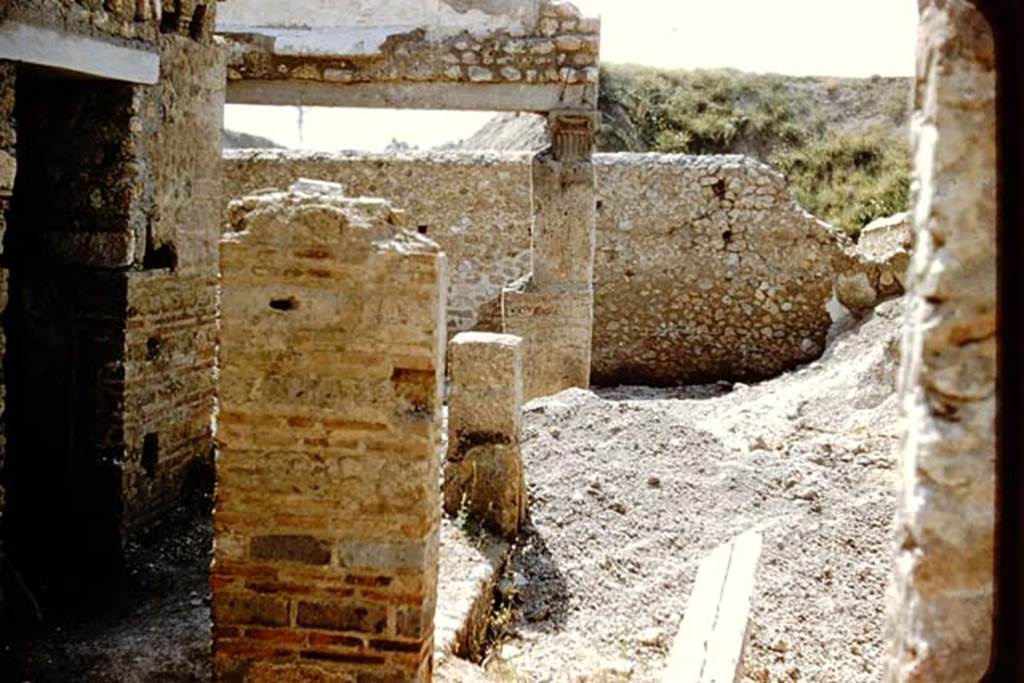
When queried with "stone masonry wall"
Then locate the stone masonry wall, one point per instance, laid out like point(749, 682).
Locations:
point(124, 21)
point(475, 206)
point(171, 314)
point(562, 48)
point(941, 616)
point(705, 268)
point(483, 472)
point(113, 251)
point(327, 504)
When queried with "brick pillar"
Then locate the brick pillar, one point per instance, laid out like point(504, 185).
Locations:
point(554, 312)
point(484, 469)
point(941, 616)
point(327, 503)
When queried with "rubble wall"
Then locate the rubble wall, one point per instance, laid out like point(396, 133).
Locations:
point(555, 45)
point(476, 206)
point(705, 269)
point(129, 22)
point(327, 503)
point(941, 616)
point(171, 314)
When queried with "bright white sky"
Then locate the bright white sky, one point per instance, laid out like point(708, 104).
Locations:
point(797, 37)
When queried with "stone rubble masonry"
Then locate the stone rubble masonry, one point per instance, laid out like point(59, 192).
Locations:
point(483, 473)
point(705, 267)
point(129, 22)
point(877, 268)
point(553, 311)
point(476, 206)
point(884, 250)
point(327, 504)
point(942, 597)
point(563, 49)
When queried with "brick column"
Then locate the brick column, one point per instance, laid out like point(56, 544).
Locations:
point(327, 505)
point(554, 312)
point(484, 469)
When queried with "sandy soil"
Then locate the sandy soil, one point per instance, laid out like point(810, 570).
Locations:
point(631, 487)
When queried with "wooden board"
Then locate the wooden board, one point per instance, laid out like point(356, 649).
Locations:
point(709, 645)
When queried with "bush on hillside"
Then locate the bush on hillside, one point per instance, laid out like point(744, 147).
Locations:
point(843, 174)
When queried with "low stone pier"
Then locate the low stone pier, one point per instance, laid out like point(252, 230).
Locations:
point(483, 474)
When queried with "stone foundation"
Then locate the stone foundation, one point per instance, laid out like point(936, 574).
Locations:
point(483, 473)
point(327, 504)
point(941, 613)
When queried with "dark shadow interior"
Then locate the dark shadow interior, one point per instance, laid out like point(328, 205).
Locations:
point(65, 331)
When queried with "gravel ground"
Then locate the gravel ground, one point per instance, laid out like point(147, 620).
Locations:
point(631, 487)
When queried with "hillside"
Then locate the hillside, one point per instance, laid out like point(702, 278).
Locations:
point(232, 139)
point(843, 143)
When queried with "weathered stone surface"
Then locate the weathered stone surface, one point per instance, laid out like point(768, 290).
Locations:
point(113, 246)
point(705, 267)
point(483, 472)
point(554, 311)
point(475, 206)
point(940, 620)
point(411, 44)
point(331, 357)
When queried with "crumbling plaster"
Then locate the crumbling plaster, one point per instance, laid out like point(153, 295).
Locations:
point(534, 57)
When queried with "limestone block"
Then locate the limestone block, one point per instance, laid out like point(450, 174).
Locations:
point(564, 234)
point(484, 469)
point(556, 333)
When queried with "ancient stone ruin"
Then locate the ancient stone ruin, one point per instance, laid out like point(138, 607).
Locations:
point(348, 344)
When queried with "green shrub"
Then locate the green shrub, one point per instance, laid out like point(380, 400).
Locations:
point(843, 174)
point(848, 179)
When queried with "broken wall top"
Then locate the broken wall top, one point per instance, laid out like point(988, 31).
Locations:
point(518, 55)
point(299, 216)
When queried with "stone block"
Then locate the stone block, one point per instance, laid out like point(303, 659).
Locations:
point(484, 469)
point(556, 330)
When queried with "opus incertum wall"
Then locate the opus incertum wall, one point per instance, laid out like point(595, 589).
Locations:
point(705, 267)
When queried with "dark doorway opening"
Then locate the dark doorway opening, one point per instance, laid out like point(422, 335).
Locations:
point(65, 325)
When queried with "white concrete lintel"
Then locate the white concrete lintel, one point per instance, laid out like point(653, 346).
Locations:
point(21, 42)
point(453, 96)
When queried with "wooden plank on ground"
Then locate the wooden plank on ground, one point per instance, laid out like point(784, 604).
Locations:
point(709, 645)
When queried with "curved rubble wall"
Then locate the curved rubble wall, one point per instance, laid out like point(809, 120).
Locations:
point(706, 268)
